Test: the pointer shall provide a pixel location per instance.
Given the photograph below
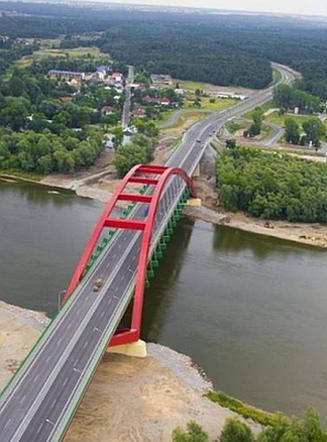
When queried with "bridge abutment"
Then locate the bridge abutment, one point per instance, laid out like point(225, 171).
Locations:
point(135, 349)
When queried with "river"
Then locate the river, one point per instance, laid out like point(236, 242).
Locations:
point(250, 310)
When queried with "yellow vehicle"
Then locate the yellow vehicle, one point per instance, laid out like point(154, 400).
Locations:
point(97, 285)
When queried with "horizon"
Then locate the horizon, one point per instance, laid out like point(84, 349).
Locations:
point(284, 7)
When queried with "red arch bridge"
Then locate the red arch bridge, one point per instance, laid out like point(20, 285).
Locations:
point(38, 403)
point(156, 194)
point(116, 265)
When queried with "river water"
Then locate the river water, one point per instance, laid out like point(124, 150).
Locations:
point(250, 310)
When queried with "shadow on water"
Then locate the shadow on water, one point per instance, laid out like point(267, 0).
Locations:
point(37, 194)
point(230, 240)
point(159, 296)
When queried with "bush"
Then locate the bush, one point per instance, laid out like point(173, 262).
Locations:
point(286, 430)
point(194, 433)
point(236, 431)
point(245, 410)
point(272, 185)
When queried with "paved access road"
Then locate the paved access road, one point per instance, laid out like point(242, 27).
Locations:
point(40, 401)
point(127, 104)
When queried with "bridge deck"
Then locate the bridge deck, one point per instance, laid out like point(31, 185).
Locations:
point(42, 397)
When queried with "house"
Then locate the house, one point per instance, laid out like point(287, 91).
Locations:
point(165, 101)
point(139, 112)
point(179, 91)
point(107, 110)
point(117, 77)
point(101, 72)
point(66, 98)
point(159, 79)
point(74, 77)
point(151, 100)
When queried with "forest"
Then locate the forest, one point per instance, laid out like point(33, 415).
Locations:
point(40, 132)
point(272, 186)
point(221, 49)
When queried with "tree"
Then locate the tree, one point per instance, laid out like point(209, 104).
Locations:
point(231, 144)
point(14, 113)
point(256, 126)
point(293, 430)
point(292, 131)
point(194, 433)
point(16, 86)
point(314, 130)
point(236, 431)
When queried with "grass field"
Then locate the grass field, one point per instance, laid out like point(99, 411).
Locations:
point(277, 76)
point(45, 52)
point(220, 103)
point(265, 107)
point(191, 86)
point(186, 118)
point(278, 119)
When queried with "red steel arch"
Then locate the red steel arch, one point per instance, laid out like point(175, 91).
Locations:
point(156, 176)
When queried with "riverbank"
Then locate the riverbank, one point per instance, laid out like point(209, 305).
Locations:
point(129, 399)
point(101, 190)
point(309, 234)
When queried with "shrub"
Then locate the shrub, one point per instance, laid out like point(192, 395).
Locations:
point(245, 410)
point(236, 431)
point(287, 430)
point(194, 433)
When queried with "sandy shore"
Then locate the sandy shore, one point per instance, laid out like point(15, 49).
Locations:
point(310, 234)
point(129, 399)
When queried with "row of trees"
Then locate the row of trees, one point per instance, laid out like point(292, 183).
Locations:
point(39, 132)
point(272, 186)
point(287, 98)
point(47, 152)
point(314, 131)
point(139, 151)
point(283, 430)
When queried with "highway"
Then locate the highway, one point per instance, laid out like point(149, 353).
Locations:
point(41, 399)
point(127, 103)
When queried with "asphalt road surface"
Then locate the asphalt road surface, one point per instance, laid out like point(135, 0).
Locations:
point(40, 401)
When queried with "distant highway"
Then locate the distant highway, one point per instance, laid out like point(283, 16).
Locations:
point(39, 402)
point(127, 104)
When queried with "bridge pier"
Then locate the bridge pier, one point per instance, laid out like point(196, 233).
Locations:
point(196, 172)
point(135, 349)
point(194, 202)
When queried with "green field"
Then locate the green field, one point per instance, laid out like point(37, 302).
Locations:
point(279, 119)
point(184, 118)
point(46, 52)
point(191, 86)
point(277, 76)
point(220, 103)
point(265, 107)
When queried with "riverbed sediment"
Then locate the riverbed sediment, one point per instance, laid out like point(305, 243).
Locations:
point(129, 399)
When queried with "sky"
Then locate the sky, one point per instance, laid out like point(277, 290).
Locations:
point(301, 7)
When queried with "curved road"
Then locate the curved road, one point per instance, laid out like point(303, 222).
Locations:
point(41, 399)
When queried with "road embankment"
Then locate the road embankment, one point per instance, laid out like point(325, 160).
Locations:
point(129, 399)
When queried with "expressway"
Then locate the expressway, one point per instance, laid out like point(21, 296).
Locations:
point(40, 400)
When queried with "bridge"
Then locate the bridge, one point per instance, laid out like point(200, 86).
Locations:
point(40, 400)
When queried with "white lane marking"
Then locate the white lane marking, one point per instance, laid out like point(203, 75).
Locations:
point(39, 429)
point(53, 403)
point(7, 423)
point(65, 382)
